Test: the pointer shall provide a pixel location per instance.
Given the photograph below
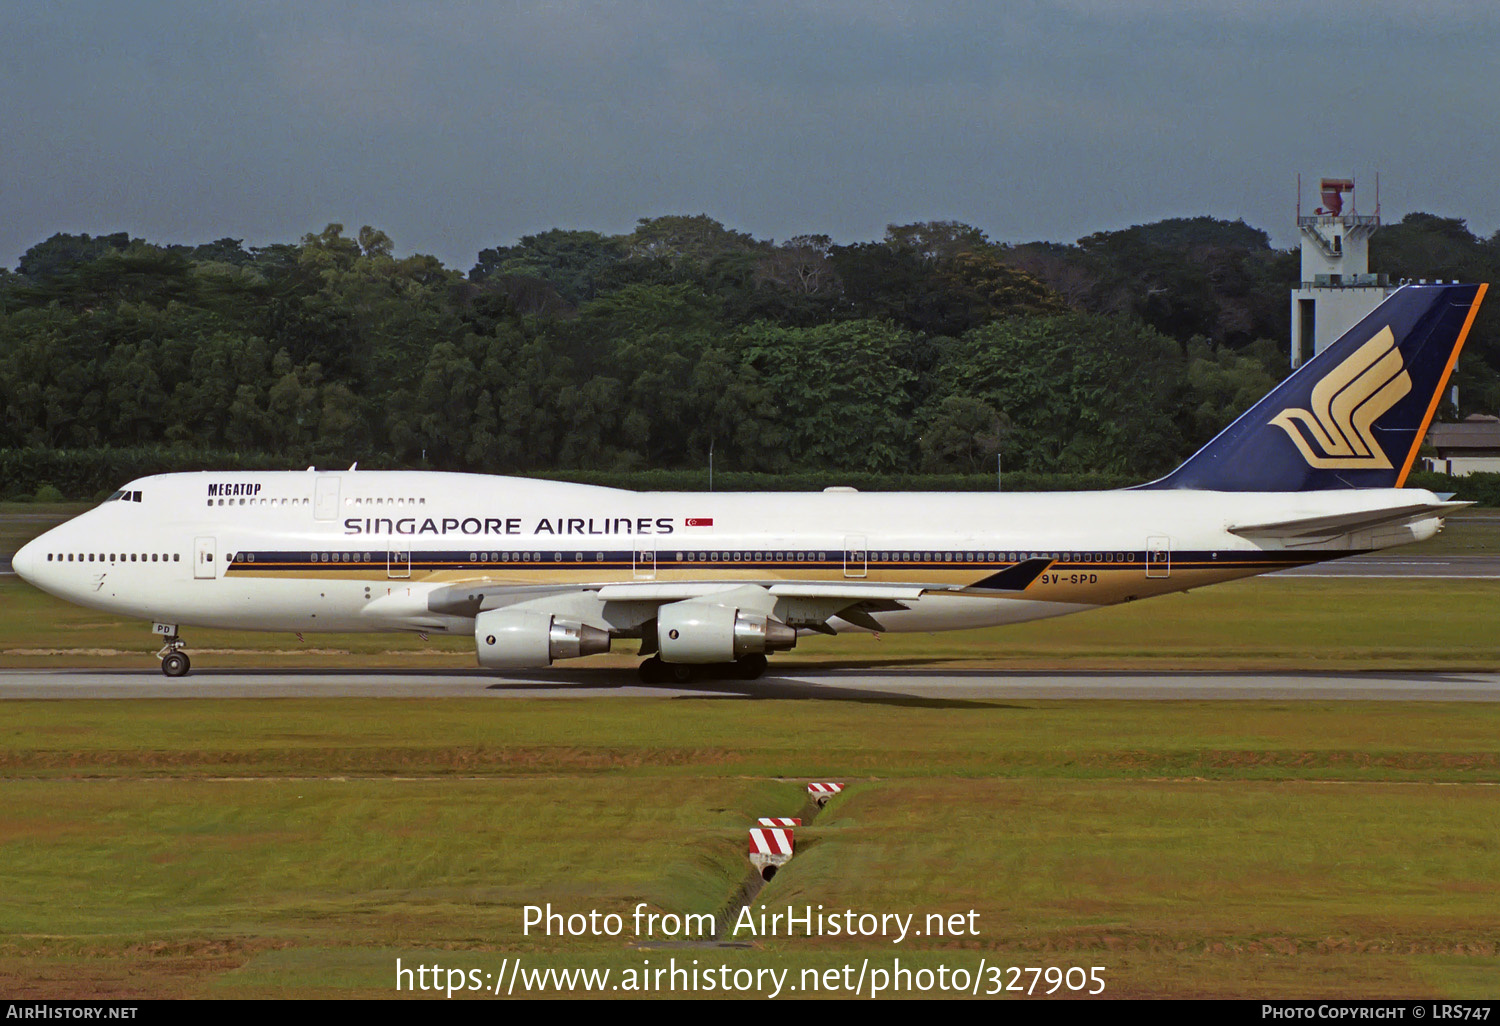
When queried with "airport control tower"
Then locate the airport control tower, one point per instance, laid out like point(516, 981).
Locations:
point(1337, 288)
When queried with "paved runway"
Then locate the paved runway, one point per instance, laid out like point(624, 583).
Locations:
point(1390, 565)
point(904, 687)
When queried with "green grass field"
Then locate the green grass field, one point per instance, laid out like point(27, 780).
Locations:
point(299, 847)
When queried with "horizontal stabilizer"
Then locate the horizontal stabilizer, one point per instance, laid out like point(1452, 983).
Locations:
point(1344, 523)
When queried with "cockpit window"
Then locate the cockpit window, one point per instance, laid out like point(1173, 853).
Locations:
point(115, 496)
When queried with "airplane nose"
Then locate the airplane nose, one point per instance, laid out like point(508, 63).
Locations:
point(25, 561)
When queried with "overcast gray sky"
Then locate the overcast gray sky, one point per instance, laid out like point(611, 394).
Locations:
point(456, 126)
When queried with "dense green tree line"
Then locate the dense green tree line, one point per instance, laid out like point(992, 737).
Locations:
point(928, 351)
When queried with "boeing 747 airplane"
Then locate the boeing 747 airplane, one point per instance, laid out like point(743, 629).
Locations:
point(713, 582)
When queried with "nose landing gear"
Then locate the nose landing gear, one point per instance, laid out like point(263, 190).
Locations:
point(174, 661)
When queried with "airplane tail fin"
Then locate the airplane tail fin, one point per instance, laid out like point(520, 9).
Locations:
point(1354, 415)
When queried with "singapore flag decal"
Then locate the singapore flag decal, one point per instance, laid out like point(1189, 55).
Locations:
point(700, 521)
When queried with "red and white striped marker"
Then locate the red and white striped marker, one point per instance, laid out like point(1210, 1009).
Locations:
point(773, 841)
point(770, 849)
point(781, 821)
point(820, 793)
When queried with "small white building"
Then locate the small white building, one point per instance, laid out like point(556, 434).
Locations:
point(1470, 446)
point(1337, 288)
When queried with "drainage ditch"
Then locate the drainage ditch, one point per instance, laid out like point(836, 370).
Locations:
point(755, 879)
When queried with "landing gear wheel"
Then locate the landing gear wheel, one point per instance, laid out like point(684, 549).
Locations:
point(654, 671)
point(174, 661)
point(750, 667)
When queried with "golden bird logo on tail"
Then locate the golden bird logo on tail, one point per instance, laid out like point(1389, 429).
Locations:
point(1337, 434)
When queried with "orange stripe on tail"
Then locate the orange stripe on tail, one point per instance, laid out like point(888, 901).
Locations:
point(1437, 395)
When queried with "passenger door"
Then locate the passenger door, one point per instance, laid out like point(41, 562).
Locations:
point(204, 566)
point(326, 497)
point(1158, 556)
point(645, 561)
point(856, 558)
point(398, 564)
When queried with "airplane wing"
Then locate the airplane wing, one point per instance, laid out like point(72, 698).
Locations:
point(805, 605)
point(621, 607)
point(676, 591)
point(1345, 523)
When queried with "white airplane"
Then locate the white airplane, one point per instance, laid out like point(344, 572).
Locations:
point(713, 582)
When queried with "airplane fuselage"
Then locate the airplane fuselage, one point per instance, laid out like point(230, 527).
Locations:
point(395, 550)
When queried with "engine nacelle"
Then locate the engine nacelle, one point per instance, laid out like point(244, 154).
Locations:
point(699, 632)
point(520, 639)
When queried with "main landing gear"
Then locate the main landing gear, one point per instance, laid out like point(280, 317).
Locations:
point(174, 661)
point(654, 671)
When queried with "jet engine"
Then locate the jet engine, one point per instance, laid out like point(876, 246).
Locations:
point(519, 639)
point(700, 632)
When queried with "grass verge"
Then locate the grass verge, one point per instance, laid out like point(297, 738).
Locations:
point(299, 847)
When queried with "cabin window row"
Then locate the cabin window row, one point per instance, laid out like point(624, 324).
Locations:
point(257, 502)
point(304, 502)
point(997, 557)
point(746, 556)
point(114, 557)
point(523, 557)
point(750, 557)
